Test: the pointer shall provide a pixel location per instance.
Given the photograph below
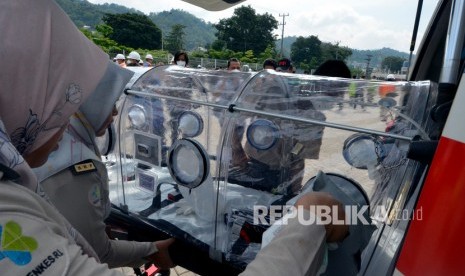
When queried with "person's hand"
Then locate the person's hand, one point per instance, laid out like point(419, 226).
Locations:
point(162, 258)
point(334, 232)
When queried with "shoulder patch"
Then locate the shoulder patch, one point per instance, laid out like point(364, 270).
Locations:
point(95, 195)
point(83, 167)
point(28, 248)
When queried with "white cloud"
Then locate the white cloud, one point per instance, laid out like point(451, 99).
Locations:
point(362, 24)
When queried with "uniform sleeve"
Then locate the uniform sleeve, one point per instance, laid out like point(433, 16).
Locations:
point(297, 250)
point(128, 253)
point(82, 199)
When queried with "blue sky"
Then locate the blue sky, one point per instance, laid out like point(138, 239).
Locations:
point(361, 24)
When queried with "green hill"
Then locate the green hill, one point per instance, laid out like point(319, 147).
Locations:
point(377, 56)
point(198, 32)
point(84, 13)
point(358, 57)
point(287, 42)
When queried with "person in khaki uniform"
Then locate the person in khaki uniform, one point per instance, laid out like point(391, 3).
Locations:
point(76, 181)
point(39, 93)
point(36, 102)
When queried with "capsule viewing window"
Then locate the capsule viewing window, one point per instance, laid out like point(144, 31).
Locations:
point(190, 124)
point(137, 116)
point(262, 134)
point(188, 163)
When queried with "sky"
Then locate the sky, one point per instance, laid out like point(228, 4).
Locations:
point(358, 24)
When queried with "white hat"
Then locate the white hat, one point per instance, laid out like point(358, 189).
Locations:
point(120, 56)
point(148, 56)
point(134, 55)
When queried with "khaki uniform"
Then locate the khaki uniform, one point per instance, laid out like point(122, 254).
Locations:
point(76, 181)
point(83, 200)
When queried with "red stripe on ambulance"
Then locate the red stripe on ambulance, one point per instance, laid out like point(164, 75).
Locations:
point(434, 245)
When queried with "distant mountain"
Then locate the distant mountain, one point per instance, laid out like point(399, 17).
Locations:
point(359, 57)
point(198, 32)
point(287, 42)
point(84, 13)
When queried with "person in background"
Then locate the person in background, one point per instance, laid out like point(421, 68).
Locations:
point(133, 59)
point(335, 68)
point(269, 64)
point(181, 59)
point(355, 91)
point(234, 65)
point(148, 60)
point(285, 65)
point(292, 69)
point(386, 89)
point(121, 60)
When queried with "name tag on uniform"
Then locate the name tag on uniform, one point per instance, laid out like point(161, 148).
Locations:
point(83, 167)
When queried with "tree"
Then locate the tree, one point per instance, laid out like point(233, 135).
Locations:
point(270, 52)
point(248, 57)
point(222, 54)
point(306, 51)
point(334, 51)
point(175, 39)
point(100, 37)
point(246, 30)
point(134, 30)
point(357, 72)
point(218, 45)
point(392, 63)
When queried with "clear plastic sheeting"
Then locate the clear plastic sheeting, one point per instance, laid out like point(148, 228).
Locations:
point(199, 150)
point(148, 126)
point(301, 149)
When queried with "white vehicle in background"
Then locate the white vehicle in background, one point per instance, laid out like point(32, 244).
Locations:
point(174, 170)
